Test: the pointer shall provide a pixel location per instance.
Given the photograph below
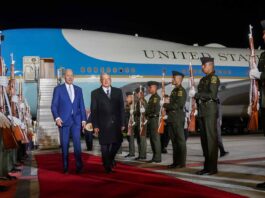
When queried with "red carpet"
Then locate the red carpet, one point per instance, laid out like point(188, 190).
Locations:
point(127, 181)
point(11, 188)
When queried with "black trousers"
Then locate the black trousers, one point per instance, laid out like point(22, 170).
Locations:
point(109, 152)
point(89, 140)
point(209, 141)
point(164, 138)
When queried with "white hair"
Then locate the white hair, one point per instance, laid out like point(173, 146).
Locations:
point(103, 74)
point(70, 70)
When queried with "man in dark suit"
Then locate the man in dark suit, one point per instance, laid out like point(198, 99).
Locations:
point(107, 113)
point(69, 113)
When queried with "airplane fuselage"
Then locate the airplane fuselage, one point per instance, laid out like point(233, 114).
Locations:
point(130, 60)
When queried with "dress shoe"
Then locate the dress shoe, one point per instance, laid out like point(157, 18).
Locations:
point(211, 172)
point(114, 164)
point(108, 170)
point(172, 165)
point(79, 170)
point(156, 161)
point(202, 172)
point(261, 186)
point(65, 171)
point(164, 150)
point(222, 154)
point(3, 188)
point(140, 158)
point(129, 155)
point(175, 166)
point(10, 177)
point(14, 170)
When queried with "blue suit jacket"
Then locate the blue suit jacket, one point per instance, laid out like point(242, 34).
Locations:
point(63, 107)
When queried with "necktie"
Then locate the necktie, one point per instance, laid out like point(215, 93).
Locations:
point(70, 93)
point(108, 93)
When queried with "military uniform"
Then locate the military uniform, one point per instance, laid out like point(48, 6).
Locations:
point(261, 76)
point(175, 124)
point(141, 138)
point(152, 114)
point(131, 137)
point(261, 67)
point(206, 99)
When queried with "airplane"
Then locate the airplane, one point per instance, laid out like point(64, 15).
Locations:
point(131, 60)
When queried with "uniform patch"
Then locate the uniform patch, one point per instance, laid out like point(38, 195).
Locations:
point(155, 100)
point(180, 93)
point(214, 80)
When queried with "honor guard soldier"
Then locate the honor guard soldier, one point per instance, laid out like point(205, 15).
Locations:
point(207, 100)
point(129, 102)
point(165, 136)
point(139, 132)
point(176, 119)
point(260, 75)
point(152, 114)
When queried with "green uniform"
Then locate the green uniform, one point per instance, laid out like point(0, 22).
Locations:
point(131, 137)
point(152, 114)
point(261, 67)
point(175, 123)
point(141, 139)
point(207, 113)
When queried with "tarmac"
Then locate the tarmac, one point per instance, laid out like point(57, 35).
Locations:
point(238, 172)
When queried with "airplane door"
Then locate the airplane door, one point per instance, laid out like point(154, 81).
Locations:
point(46, 68)
point(30, 68)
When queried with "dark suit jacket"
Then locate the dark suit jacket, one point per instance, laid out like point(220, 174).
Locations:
point(108, 114)
point(63, 107)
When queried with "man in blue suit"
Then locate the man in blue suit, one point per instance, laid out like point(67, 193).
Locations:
point(69, 113)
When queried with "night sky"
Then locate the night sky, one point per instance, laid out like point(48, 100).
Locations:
point(220, 21)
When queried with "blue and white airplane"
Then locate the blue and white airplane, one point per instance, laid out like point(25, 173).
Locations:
point(131, 60)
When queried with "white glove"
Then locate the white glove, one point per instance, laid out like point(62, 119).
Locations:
point(192, 93)
point(220, 122)
point(249, 110)
point(16, 121)
point(142, 110)
point(15, 99)
point(22, 126)
point(161, 103)
point(22, 105)
point(165, 117)
point(254, 74)
point(131, 111)
point(196, 112)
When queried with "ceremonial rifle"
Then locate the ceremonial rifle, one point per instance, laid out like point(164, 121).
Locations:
point(253, 93)
point(143, 119)
point(162, 112)
point(192, 105)
point(131, 122)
